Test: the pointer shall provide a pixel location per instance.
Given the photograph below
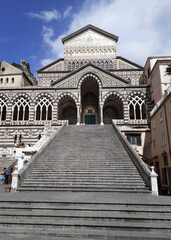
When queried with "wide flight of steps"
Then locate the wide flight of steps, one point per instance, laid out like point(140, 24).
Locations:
point(84, 187)
point(88, 216)
point(85, 158)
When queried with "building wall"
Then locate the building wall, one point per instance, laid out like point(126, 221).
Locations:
point(11, 77)
point(161, 146)
point(155, 75)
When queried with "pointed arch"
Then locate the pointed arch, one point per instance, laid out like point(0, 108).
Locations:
point(21, 107)
point(137, 106)
point(67, 109)
point(44, 107)
point(3, 107)
point(88, 75)
point(113, 107)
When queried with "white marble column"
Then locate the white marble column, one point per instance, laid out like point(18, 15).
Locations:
point(78, 114)
point(101, 115)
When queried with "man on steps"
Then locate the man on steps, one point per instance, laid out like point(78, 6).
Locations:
point(6, 174)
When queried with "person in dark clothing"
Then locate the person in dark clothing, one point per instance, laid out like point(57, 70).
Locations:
point(6, 174)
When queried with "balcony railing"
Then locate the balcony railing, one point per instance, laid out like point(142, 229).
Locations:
point(139, 121)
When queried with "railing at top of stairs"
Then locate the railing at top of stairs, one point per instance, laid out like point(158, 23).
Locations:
point(149, 176)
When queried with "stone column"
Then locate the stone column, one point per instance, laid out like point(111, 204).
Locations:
point(9, 113)
point(32, 113)
point(55, 112)
point(125, 112)
point(78, 114)
point(101, 115)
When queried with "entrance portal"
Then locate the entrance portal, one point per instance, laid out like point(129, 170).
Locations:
point(90, 119)
point(90, 115)
point(90, 101)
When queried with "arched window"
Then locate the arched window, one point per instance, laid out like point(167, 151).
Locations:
point(81, 64)
point(44, 109)
point(3, 109)
point(102, 64)
point(77, 65)
point(69, 66)
point(98, 63)
point(21, 109)
point(73, 66)
point(106, 65)
point(137, 108)
point(110, 65)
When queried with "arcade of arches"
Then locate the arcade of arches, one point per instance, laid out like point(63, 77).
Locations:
point(87, 109)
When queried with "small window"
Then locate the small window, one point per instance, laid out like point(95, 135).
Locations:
point(102, 64)
point(154, 143)
point(73, 66)
point(148, 72)
point(134, 139)
point(110, 65)
point(6, 80)
point(39, 136)
point(69, 66)
point(161, 116)
point(163, 138)
point(20, 138)
point(165, 159)
point(1, 80)
point(3, 69)
point(15, 138)
point(106, 65)
point(12, 80)
point(154, 124)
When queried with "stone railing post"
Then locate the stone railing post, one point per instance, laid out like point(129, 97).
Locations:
point(15, 180)
point(154, 184)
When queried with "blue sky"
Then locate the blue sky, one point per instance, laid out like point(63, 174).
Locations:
point(32, 30)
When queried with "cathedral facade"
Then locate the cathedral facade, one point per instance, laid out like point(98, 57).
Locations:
point(90, 85)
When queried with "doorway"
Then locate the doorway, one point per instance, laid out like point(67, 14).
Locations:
point(90, 119)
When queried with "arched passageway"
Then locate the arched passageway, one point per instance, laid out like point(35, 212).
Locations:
point(113, 109)
point(90, 101)
point(67, 110)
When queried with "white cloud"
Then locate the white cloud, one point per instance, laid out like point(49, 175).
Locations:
point(67, 12)
point(46, 61)
point(56, 47)
point(142, 26)
point(47, 16)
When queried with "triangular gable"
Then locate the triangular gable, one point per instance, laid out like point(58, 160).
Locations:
point(88, 27)
point(53, 66)
point(107, 79)
point(128, 64)
point(9, 69)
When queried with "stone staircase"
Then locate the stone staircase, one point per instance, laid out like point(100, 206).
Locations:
point(84, 187)
point(85, 158)
point(75, 215)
